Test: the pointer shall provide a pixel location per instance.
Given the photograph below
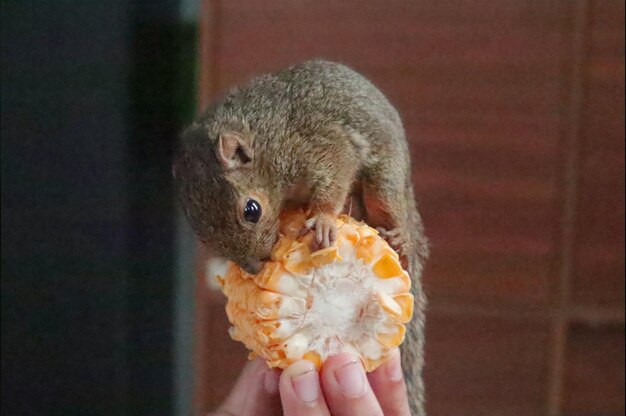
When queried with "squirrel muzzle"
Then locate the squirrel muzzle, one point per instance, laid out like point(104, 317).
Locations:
point(252, 266)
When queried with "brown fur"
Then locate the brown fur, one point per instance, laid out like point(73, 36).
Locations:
point(312, 134)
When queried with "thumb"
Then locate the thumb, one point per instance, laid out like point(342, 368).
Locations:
point(255, 393)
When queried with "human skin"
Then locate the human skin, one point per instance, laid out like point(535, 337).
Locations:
point(340, 388)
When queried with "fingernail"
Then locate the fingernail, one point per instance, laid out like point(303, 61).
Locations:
point(270, 381)
point(304, 380)
point(351, 378)
point(393, 368)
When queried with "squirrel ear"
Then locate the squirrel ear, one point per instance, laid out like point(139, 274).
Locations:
point(232, 151)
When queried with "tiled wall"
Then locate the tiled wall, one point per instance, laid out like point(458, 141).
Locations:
point(515, 113)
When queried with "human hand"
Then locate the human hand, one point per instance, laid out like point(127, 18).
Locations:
point(342, 388)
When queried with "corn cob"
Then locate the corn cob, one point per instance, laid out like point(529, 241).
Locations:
point(305, 303)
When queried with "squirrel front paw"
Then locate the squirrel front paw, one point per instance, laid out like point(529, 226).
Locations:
point(399, 240)
point(325, 229)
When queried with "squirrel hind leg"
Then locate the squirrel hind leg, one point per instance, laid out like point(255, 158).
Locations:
point(386, 210)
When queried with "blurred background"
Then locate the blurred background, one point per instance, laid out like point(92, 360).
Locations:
point(515, 114)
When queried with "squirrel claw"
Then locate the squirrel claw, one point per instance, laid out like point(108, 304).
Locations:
point(325, 229)
point(397, 239)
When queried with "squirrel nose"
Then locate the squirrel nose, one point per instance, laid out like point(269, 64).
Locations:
point(252, 266)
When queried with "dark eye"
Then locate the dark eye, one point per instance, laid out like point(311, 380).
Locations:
point(252, 211)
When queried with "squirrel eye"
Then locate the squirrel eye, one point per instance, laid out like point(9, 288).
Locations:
point(252, 211)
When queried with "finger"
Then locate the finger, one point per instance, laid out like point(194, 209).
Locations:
point(333, 234)
point(300, 391)
point(326, 234)
point(255, 393)
point(308, 225)
point(387, 381)
point(346, 389)
point(319, 232)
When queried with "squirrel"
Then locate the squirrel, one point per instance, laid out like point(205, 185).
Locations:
point(316, 135)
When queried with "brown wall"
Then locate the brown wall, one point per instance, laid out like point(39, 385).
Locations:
point(515, 113)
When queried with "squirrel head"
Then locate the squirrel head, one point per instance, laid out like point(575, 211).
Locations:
point(226, 199)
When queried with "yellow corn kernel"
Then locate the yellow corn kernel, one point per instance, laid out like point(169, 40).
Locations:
point(314, 358)
point(387, 266)
point(389, 304)
point(325, 256)
point(298, 259)
point(406, 302)
point(394, 337)
point(281, 248)
point(368, 248)
point(371, 365)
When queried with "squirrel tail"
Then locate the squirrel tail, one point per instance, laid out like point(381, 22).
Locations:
point(413, 347)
